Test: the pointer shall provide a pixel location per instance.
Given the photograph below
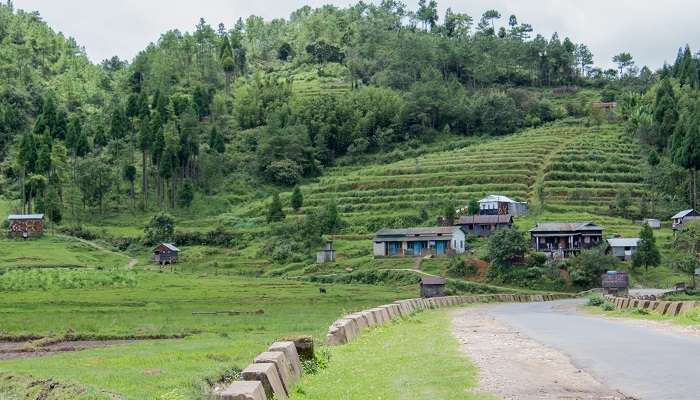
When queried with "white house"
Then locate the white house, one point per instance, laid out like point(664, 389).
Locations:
point(683, 216)
point(502, 205)
point(419, 242)
point(623, 248)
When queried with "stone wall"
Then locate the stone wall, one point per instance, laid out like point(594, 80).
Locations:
point(349, 327)
point(669, 308)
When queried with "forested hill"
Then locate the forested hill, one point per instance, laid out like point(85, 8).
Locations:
point(261, 105)
point(38, 65)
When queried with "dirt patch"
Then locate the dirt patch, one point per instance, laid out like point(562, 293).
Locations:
point(515, 367)
point(13, 350)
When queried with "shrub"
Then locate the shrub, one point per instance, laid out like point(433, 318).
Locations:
point(596, 300)
point(609, 306)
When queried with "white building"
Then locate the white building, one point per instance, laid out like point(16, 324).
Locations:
point(623, 248)
point(419, 242)
point(502, 205)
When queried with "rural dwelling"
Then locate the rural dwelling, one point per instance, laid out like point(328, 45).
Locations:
point(623, 248)
point(25, 225)
point(683, 216)
point(652, 222)
point(327, 255)
point(419, 242)
point(502, 205)
point(564, 239)
point(484, 225)
point(165, 253)
point(432, 286)
point(615, 283)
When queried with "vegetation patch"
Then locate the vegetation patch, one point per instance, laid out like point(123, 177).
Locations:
point(415, 358)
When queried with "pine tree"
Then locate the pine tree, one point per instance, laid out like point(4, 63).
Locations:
point(647, 254)
point(275, 213)
point(297, 200)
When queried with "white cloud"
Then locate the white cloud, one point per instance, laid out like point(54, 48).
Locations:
point(651, 30)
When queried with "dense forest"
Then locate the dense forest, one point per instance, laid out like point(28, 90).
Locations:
point(267, 104)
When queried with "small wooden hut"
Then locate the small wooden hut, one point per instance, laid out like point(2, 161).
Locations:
point(25, 225)
point(327, 255)
point(432, 286)
point(166, 253)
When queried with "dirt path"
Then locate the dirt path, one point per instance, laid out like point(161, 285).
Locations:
point(132, 261)
point(515, 367)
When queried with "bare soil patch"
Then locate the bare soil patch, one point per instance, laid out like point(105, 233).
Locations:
point(27, 349)
point(514, 367)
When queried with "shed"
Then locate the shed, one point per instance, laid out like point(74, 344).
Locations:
point(166, 253)
point(623, 248)
point(502, 205)
point(25, 225)
point(615, 282)
point(652, 222)
point(327, 255)
point(432, 286)
point(684, 216)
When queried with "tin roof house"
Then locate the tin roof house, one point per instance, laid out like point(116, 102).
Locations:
point(623, 248)
point(502, 205)
point(419, 242)
point(484, 225)
point(684, 216)
point(432, 286)
point(564, 239)
point(25, 225)
point(166, 253)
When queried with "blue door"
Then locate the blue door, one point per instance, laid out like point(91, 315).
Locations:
point(394, 248)
point(440, 247)
point(417, 248)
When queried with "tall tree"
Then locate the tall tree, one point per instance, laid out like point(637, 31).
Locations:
point(647, 254)
point(624, 61)
point(275, 212)
point(297, 199)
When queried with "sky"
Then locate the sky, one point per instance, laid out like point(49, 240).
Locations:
point(650, 30)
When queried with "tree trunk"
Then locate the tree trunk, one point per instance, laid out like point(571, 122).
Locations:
point(144, 180)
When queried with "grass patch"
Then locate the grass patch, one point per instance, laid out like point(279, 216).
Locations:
point(691, 318)
point(413, 359)
point(55, 251)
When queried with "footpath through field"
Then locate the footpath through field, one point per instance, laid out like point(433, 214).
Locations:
point(640, 361)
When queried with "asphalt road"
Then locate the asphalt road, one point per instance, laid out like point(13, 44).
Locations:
point(641, 362)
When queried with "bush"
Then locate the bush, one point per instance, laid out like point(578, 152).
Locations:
point(609, 307)
point(596, 300)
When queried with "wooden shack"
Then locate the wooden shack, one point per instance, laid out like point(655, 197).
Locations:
point(432, 286)
point(615, 283)
point(166, 253)
point(25, 225)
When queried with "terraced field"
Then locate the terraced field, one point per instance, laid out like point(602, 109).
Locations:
point(587, 174)
point(582, 168)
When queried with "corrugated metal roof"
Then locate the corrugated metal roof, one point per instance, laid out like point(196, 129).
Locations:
point(497, 198)
point(25, 216)
point(682, 214)
point(434, 231)
point(432, 280)
point(565, 226)
point(170, 246)
point(485, 219)
point(624, 242)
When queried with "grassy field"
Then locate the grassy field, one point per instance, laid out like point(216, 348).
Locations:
point(162, 305)
point(56, 251)
point(414, 359)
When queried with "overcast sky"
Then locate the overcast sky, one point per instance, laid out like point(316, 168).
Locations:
point(651, 30)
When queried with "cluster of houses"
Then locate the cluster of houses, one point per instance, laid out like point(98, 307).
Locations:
point(557, 239)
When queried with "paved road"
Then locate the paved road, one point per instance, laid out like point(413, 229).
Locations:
point(642, 362)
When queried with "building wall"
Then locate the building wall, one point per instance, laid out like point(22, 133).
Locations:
point(379, 249)
point(432, 290)
point(459, 240)
point(33, 227)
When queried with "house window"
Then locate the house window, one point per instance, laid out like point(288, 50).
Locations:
point(461, 244)
point(586, 239)
point(627, 248)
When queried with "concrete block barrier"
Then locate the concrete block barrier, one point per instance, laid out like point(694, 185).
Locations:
point(266, 374)
point(281, 363)
point(687, 306)
point(242, 390)
point(290, 351)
